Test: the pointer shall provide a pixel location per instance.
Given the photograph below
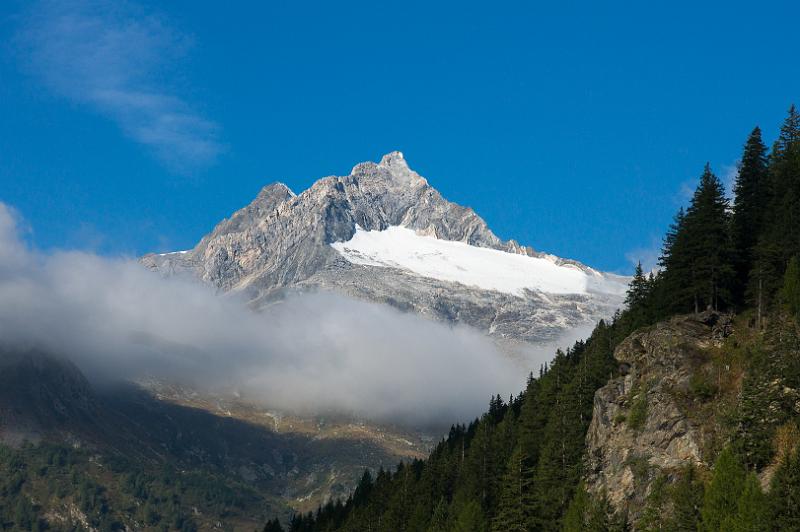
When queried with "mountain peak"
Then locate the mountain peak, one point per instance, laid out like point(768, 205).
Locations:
point(312, 241)
point(394, 160)
point(276, 190)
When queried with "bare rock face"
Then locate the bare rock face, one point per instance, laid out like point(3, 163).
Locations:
point(281, 243)
point(640, 428)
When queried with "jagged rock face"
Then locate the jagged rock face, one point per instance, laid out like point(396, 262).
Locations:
point(640, 428)
point(282, 242)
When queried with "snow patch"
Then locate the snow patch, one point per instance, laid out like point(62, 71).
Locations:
point(489, 269)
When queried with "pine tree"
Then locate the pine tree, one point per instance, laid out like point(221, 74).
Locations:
point(273, 525)
point(600, 518)
point(722, 495)
point(673, 294)
point(699, 260)
point(752, 509)
point(439, 517)
point(575, 520)
point(469, 518)
point(784, 495)
point(750, 205)
point(652, 518)
point(515, 495)
point(637, 290)
point(780, 239)
point(687, 497)
point(587, 513)
point(638, 299)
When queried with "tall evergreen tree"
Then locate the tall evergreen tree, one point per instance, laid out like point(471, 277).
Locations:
point(273, 525)
point(699, 258)
point(576, 517)
point(752, 509)
point(750, 206)
point(784, 495)
point(515, 496)
point(469, 518)
point(722, 495)
point(637, 289)
point(780, 239)
point(687, 497)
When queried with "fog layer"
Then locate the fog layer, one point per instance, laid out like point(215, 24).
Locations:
point(309, 354)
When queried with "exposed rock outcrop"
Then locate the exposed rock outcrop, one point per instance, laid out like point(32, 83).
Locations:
point(641, 426)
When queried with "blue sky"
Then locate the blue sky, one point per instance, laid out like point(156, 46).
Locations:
point(573, 127)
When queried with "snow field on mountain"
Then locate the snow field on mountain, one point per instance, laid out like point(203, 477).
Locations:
point(489, 269)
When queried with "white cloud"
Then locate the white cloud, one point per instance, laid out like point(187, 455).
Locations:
point(648, 256)
point(113, 57)
point(728, 177)
point(311, 353)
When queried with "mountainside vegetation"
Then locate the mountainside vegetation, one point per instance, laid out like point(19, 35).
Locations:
point(521, 465)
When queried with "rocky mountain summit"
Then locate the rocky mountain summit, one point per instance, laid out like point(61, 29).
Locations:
point(283, 243)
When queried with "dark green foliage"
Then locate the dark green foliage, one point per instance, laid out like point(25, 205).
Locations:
point(722, 494)
point(780, 238)
point(652, 518)
point(112, 491)
point(638, 413)
point(790, 293)
point(785, 495)
point(468, 517)
point(576, 518)
point(749, 207)
point(587, 513)
point(752, 509)
point(699, 260)
point(273, 525)
point(687, 497)
point(515, 495)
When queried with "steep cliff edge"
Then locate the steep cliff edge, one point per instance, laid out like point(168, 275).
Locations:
point(662, 413)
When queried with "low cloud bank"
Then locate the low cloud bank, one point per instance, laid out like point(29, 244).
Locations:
point(309, 354)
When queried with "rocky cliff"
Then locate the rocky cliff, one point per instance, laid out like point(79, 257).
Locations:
point(659, 415)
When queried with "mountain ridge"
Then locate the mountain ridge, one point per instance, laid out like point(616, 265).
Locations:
point(282, 243)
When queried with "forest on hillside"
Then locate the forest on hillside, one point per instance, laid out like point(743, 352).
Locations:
point(519, 467)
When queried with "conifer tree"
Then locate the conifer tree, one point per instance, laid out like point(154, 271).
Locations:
point(722, 495)
point(672, 292)
point(575, 520)
point(784, 495)
point(515, 496)
point(652, 518)
point(687, 497)
point(752, 509)
point(780, 239)
point(699, 260)
point(469, 518)
point(439, 517)
point(273, 525)
point(750, 205)
point(637, 290)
